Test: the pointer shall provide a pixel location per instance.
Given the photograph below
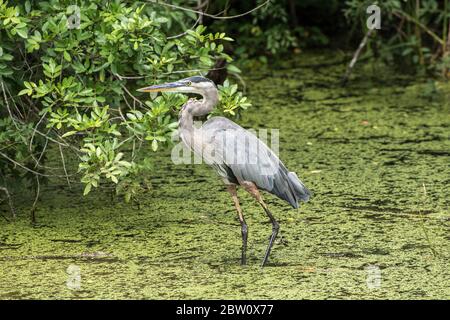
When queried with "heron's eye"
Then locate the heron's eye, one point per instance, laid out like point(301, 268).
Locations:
point(189, 83)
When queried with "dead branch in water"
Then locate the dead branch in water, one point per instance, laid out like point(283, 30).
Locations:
point(355, 57)
point(10, 203)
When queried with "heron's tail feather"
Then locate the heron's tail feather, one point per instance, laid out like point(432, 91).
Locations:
point(299, 190)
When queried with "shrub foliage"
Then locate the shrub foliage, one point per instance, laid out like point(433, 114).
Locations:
point(68, 75)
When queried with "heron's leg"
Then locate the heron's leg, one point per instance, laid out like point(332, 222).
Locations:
point(253, 190)
point(244, 229)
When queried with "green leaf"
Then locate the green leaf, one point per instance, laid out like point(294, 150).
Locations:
point(22, 32)
point(131, 116)
point(69, 133)
point(25, 91)
point(205, 60)
point(7, 57)
point(154, 145)
point(67, 56)
point(27, 6)
point(87, 189)
point(233, 68)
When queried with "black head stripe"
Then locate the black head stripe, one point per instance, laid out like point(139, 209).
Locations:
point(198, 79)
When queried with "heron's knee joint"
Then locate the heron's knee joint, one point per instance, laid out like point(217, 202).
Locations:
point(244, 228)
point(275, 226)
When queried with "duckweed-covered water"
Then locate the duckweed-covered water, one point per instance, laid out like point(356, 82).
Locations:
point(375, 154)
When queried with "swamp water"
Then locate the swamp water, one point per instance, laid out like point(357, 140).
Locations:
point(375, 154)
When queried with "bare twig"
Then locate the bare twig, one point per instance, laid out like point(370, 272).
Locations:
point(64, 165)
point(135, 100)
point(446, 50)
point(401, 14)
point(28, 169)
point(5, 89)
point(34, 130)
point(207, 14)
point(30, 145)
point(242, 81)
point(200, 15)
point(356, 56)
point(198, 21)
point(121, 77)
point(10, 203)
point(125, 120)
point(7, 105)
point(43, 150)
point(33, 208)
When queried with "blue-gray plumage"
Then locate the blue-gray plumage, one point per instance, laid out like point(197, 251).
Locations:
point(266, 171)
point(237, 155)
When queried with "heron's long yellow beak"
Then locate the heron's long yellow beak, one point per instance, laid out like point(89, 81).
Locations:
point(167, 87)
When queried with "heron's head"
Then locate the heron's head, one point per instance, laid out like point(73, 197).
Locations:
point(197, 84)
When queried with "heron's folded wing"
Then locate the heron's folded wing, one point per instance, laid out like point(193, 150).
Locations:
point(240, 150)
point(240, 154)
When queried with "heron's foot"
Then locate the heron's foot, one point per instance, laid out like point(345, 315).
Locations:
point(275, 229)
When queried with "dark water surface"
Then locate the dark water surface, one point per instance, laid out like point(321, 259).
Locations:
point(375, 155)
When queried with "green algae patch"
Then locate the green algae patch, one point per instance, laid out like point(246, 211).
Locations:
point(375, 155)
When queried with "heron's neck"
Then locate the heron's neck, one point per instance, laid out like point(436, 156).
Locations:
point(197, 108)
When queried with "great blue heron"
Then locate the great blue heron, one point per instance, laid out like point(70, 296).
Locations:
point(238, 156)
